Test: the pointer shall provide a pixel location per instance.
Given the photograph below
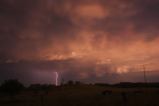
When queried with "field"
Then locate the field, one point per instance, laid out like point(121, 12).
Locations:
point(86, 95)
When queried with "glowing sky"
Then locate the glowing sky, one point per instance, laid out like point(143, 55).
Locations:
point(87, 40)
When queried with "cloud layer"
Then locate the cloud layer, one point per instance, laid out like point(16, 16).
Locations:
point(83, 39)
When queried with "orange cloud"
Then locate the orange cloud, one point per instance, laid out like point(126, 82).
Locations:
point(90, 11)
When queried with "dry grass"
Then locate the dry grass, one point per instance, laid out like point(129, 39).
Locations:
point(85, 96)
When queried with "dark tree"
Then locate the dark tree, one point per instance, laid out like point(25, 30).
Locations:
point(78, 83)
point(11, 87)
point(70, 82)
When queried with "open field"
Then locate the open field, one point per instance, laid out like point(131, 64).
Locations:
point(87, 95)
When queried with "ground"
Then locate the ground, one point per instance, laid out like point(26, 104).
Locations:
point(85, 96)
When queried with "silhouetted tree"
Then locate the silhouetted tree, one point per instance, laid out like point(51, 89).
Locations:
point(11, 87)
point(78, 83)
point(70, 82)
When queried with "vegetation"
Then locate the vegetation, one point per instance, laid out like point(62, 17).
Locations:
point(11, 87)
point(75, 93)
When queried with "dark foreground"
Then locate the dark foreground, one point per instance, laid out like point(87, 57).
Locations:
point(89, 95)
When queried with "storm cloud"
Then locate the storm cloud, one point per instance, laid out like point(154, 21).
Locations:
point(89, 40)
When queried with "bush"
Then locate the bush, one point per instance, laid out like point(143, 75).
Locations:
point(11, 87)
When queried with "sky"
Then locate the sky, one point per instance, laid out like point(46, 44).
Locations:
point(92, 41)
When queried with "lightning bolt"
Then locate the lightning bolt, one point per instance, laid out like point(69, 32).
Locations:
point(56, 78)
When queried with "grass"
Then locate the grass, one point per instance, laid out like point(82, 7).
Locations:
point(85, 96)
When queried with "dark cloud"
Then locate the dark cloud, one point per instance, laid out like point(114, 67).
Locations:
point(68, 70)
point(72, 37)
point(43, 72)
